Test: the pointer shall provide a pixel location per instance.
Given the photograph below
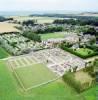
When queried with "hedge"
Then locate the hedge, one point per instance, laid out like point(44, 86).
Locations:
point(77, 54)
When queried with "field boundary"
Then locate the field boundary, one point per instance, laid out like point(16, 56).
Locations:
point(21, 83)
point(35, 86)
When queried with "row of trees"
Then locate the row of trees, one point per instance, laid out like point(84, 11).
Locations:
point(28, 22)
point(2, 19)
point(49, 30)
point(93, 21)
point(90, 31)
point(33, 36)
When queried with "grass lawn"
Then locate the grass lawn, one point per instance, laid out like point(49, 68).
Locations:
point(84, 52)
point(90, 94)
point(3, 53)
point(10, 90)
point(52, 35)
point(34, 75)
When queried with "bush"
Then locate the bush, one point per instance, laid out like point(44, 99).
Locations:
point(69, 78)
point(29, 22)
point(33, 36)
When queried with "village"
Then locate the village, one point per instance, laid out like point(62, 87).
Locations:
point(38, 54)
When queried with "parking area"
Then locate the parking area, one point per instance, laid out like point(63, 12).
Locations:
point(55, 59)
point(58, 60)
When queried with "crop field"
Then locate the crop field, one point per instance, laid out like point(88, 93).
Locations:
point(40, 20)
point(53, 35)
point(8, 27)
point(3, 53)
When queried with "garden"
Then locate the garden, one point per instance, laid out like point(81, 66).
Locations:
point(81, 51)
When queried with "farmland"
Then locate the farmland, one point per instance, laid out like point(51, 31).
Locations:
point(40, 20)
point(8, 27)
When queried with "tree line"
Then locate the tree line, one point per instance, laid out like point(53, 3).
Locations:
point(2, 19)
point(33, 36)
point(80, 21)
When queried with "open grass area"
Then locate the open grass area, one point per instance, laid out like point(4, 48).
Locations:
point(10, 90)
point(52, 35)
point(3, 53)
point(84, 51)
point(90, 94)
point(35, 75)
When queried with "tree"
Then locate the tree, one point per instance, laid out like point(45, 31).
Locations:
point(90, 31)
point(29, 22)
point(75, 68)
point(33, 36)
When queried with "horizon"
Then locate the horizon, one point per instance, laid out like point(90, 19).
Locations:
point(26, 13)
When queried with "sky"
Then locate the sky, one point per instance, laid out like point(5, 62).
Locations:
point(48, 5)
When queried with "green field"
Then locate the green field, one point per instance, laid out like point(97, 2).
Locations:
point(84, 51)
point(34, 75)
point(52, 35)
point(3, 53)
point(58, 90)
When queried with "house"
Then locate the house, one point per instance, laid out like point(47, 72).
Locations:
point(72, 38)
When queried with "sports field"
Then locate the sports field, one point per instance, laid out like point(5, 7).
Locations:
point(35, 75)
point(52, 35)
point(29, 72)
point(3, 53)
point(58, 90)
